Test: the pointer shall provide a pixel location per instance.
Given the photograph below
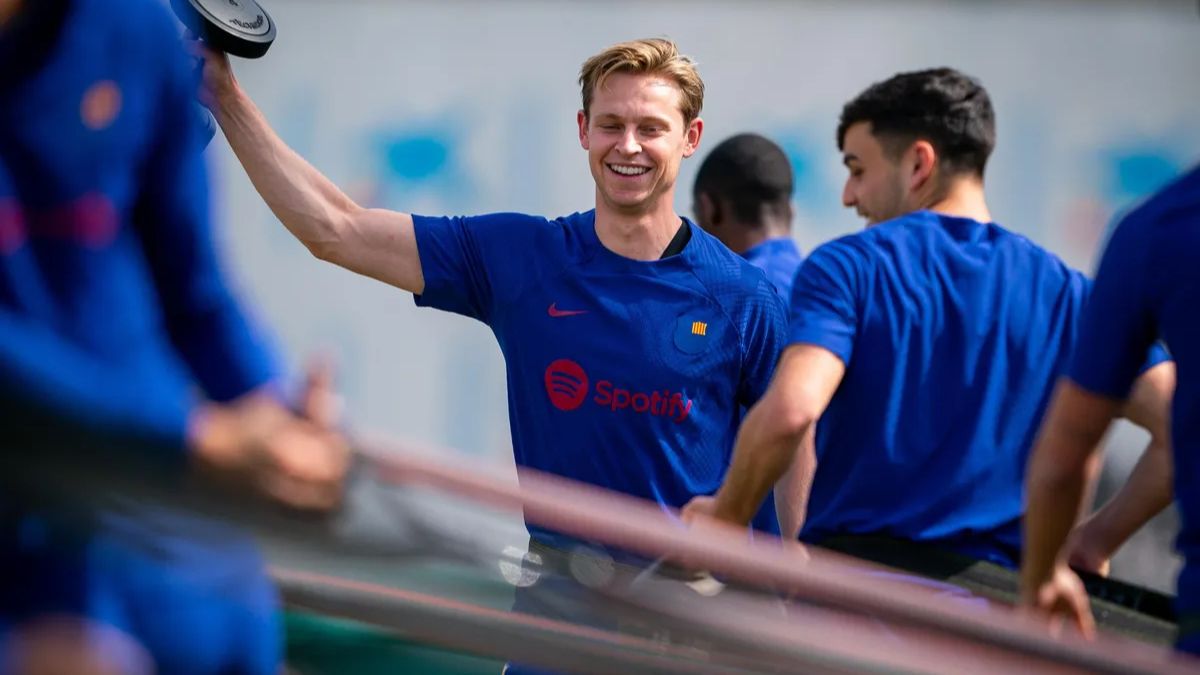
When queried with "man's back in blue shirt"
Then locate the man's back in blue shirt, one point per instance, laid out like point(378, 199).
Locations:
point(922, 351)
point(953, 333)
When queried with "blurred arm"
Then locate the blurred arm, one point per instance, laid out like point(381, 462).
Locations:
point(376, 243)
point(1149, 488)
point(768, 442)
point(1056, 479)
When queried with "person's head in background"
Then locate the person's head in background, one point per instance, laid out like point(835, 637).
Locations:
point(919, 140)
point(743, 192)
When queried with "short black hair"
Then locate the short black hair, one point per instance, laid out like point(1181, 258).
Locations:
point(749, 172)
point(950, 110)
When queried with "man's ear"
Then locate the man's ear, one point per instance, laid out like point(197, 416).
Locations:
point(692, 135)
point(582, 120)
point(922, 164)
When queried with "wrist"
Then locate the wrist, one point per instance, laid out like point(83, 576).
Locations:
point(212, 437)
point(228, 98)
point(726, 509)
point(1094, 540)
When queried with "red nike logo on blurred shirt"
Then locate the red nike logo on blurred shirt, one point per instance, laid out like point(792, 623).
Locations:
point(554, 311)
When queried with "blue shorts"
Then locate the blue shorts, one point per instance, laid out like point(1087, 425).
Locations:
point(190, 622)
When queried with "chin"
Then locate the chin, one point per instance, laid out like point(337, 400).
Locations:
point(628, 202)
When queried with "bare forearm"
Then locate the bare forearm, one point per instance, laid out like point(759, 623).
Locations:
point(1055, 498)
point(765, 449)
point(1148, 491)
point(791, 493)
point(304, 200)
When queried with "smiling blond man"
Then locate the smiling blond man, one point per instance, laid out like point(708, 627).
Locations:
point(632, 338)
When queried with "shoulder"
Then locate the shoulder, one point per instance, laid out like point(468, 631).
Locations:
point(727, 275)
point(1155, 220)
point(876, 241)
point(511, 237)
point(134, 22)
point(1180, 197)
point(140, 37)
point(851, 253)
point(1038, 256)
point(738, 287)
point(507, 223)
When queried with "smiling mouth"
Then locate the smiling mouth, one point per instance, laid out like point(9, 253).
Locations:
point(627, 170)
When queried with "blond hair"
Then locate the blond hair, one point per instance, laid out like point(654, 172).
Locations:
point(651, 56)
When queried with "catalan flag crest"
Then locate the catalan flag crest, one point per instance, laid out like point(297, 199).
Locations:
point(696, 330)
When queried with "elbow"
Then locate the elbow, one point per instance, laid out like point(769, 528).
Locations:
point(789, 423)
point(327, 238)
point(323, 250)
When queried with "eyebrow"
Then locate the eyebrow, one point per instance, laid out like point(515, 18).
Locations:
point(849, 157)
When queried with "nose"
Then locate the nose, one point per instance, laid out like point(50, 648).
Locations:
point(628, 143)
point(848, 197)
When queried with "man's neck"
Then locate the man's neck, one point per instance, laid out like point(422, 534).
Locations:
point(8, 9)
point(962, 198)
point(641, 236)
point(740, 238)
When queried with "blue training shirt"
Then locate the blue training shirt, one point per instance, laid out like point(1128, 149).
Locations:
point(778, 259)
point(631, 375)
point(953, 333)
point(1148, 288)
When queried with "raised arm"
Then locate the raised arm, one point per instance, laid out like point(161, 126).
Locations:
point(373, 242)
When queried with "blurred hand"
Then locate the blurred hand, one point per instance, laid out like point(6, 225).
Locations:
point(298, 460)
point(217, 81)
point(699, 509)
point(1062, 598)
point(61, 644)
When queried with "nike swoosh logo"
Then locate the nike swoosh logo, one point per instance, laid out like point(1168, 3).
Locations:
point(555, 312)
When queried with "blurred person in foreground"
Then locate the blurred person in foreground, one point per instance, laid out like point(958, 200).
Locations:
point(1147, 289)
point(927, 345)
point(632, 339)
point(116, 323)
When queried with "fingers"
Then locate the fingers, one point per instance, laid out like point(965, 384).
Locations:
point(301, 495)
point(319, 401)
point(1063, 600)
point(197, 48)
point(1081, 611)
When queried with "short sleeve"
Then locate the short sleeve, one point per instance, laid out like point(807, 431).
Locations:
point(472, 263)
point(764, 334)
point(824, 309)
